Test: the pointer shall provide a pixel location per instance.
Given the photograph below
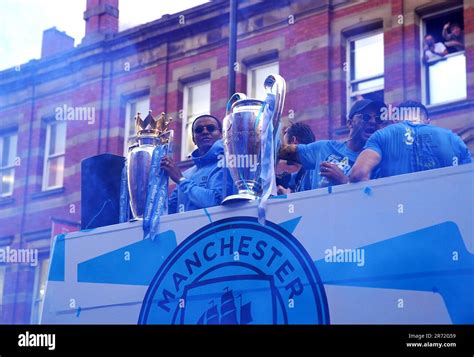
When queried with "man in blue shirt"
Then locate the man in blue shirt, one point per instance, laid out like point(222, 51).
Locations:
point(203, 184)
point(409, 146)
point(331, 159)
point(297, 133)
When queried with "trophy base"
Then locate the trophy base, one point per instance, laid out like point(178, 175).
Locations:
point(240, 197)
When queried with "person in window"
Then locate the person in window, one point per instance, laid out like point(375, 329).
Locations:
point(433, 50)
point(202, 185)
point(332, 160)
point(410, 146)
point(454, 37)
point(298, 133)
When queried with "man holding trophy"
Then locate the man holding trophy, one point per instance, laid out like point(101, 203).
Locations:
point(203, 184)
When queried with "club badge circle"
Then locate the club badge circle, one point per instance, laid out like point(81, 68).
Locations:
point(236, 271)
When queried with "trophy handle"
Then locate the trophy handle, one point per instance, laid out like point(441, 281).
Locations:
point(276, 85)
point(235, 97)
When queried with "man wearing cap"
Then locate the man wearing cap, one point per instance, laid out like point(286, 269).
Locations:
point(202, 185)
point(409, 146)
point(331, 159)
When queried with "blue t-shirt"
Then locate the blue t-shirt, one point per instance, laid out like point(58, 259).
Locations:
point(301, 180)
point(336, 152)
point(406, 147)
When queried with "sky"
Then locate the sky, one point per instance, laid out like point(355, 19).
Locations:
point(22, 22)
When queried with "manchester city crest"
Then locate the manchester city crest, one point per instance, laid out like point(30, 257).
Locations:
point(236, 271)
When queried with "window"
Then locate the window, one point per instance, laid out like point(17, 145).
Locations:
point(7, 163)
point(197, 101)
point(3, 270)
point(41, 277)
point(54, 155)
point(137, 105)
point(256, 76)
point(366, 67)
point(444, 76)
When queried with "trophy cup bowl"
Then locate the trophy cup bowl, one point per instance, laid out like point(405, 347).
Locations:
point(242, 136)
point(139, 164)
point(242, 141)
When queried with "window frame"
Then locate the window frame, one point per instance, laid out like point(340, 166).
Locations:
point(349, 63)
point(255, 66)
point(38, 301)
point(129, 116)
point(3, 275)
point(10, 133)
point(424, 66)
point(186, 88)
point(47, 156)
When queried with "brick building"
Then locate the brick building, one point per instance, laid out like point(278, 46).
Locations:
point(78, 102)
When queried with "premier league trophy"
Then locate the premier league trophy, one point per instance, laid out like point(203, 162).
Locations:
point(142, 166)
point(251, 133)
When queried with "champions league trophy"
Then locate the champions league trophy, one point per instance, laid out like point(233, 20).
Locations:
point(151, 133)
point(251, 133)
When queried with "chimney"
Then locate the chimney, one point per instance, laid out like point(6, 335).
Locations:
point(55, 41)
point(101, 18)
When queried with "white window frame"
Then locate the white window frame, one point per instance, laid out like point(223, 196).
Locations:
point(11, 166)
point(48, 157)
point(38, 297)
point(424, 69)
point(3, 274)
point(349, 82)
point(129, 117)
point(188, 121)
point(250, 75)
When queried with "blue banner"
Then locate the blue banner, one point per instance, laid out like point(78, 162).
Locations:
point(157, 193)
point(124, 201)
point(267, 175)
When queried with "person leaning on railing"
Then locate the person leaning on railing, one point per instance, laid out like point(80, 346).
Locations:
point(297, 133)
point(409, 146)
point(454, 37)
point(433, 50)
point(332, 160)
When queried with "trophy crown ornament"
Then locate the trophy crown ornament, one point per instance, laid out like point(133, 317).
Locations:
point(162, 128)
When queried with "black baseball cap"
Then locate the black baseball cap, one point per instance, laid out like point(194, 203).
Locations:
point(363, 104)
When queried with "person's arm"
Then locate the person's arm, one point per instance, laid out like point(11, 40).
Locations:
point(441, 49)
point(445, 33)
point(465, 155)
point(365, 163)
point(304, 154)
point(201, 196)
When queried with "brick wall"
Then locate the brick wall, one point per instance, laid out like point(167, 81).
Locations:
point(310, 41)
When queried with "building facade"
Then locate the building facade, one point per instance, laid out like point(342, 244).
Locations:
point(77, 102)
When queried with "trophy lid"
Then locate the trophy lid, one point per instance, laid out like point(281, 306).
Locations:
point(151, 126)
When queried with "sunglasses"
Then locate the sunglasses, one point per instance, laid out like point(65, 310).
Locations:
point(366, 118)
point(210, 128)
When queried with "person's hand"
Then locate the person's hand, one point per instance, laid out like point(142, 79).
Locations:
point(283, 191)
point(333, 173)
point(446, 26)
point(168, 164)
